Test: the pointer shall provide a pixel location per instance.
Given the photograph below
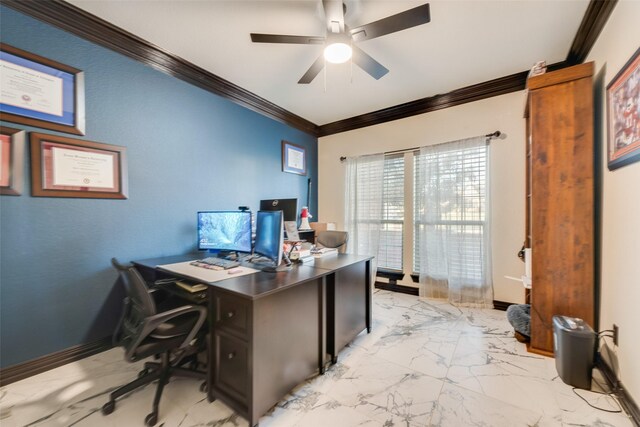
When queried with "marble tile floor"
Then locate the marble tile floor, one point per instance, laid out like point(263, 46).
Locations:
point(426, 363)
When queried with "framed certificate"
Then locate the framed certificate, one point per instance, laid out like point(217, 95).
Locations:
point(69, 167)
point(294, 158)
point(11, 161)
point(37, 91)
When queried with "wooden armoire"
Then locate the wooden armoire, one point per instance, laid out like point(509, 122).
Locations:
point(560, 199)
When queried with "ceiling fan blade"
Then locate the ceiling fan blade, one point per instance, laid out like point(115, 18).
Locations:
point(281, 38)
point(313, 71)
point(335, 15)
point(368, 64)
point(391, 24)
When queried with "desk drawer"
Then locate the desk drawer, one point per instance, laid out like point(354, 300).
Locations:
point(231, 313)
point(231, 376)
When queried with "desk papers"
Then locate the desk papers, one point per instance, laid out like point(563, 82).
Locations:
point(204, 274)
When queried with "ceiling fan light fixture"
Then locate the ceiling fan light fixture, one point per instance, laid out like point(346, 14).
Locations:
point(337, 53)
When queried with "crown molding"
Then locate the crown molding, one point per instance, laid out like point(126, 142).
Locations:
point(495, 87)
point(477, 92)
point(83, 24)
point(596, 15)
point(593, 22)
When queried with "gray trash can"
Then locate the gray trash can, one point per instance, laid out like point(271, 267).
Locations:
point(574, 344)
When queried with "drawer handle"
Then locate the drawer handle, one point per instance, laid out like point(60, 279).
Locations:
point(231, 355)
point(231, 314)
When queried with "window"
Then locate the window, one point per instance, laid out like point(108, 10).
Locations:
point(417, 212)
point(453, 180)
point(384, 188)
point(392, 228)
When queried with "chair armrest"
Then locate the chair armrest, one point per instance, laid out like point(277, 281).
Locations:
point(151, 323)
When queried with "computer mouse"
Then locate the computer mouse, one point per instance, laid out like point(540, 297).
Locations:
point(234, 270)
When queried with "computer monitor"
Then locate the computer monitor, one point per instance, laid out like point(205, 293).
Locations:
point(224, 231)
point(269, 236)
point(288, 206)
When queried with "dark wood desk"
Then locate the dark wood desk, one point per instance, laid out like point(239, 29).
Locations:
point(349, 307)
point(268, 332)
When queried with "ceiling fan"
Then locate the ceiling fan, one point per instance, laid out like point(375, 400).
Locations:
point(339, 40)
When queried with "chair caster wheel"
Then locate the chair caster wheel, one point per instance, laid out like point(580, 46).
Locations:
point(203, 387)
point(108, 407)
point(151, 419)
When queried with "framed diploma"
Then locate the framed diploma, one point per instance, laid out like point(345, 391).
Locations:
point(37, 91)
point(11, 161)
point(294, 158)
point(69, 167)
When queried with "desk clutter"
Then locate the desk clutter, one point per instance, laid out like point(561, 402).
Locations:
point(320, 252)
point(208, 275)
point(214, 263)
point(190, 287)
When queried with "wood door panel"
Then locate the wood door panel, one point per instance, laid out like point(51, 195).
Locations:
point(561, 216)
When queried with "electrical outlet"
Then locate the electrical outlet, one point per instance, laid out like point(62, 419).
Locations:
point(615, 334)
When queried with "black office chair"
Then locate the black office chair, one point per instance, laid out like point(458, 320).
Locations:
point(333, 239)
point(152, 328)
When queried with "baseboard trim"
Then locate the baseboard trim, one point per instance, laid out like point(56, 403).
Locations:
point(24, 370)
point(501, 305)
point(623, 396)
point(498, 305)
point(397, 288)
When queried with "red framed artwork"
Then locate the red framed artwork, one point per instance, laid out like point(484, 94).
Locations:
point(623, 115)
point(69, 167)
point(11, 161)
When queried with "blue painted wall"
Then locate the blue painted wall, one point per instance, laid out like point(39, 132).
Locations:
point(187, 149)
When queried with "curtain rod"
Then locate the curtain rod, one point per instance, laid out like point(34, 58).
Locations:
point(496, 134)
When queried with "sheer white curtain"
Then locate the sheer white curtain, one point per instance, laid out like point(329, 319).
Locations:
point(363, 205)
point(454, 222)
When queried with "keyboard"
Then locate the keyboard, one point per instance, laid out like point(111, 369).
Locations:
point(214, 263)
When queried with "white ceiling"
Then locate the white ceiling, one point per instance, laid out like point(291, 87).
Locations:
point(466, 42)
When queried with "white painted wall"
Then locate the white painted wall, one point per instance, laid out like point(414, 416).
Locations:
point(504, 113)
point(620, 289)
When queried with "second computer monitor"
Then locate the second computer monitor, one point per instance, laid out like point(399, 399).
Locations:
point(269, 240)
point(288, 206)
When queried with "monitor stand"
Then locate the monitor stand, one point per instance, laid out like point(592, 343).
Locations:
point(230, 255)
point(286, 264)
point(272, 269)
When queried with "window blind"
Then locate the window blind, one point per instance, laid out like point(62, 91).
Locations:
point(460, 175)
point(391, 236)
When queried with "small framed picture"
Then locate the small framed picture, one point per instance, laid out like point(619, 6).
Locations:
point(37, 91)
point(69, 167)
point(294, 158)
point(11, 161)
point(623, 115)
